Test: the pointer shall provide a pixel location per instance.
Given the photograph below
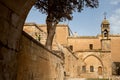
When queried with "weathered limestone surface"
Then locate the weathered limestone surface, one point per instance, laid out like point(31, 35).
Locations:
point(70, 64)
point(12, 60)
point(37, 63)
point(12, 16)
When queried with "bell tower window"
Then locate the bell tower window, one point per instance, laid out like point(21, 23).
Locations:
point(105, 33)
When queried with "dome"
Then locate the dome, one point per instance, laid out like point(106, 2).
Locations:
point(105, 21)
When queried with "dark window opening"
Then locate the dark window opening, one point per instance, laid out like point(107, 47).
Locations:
point(105, 33)
point(83, 68)
point(71, 47)
point(91, 46)
point(116, 68)
point(64, 73)
point(91, 68)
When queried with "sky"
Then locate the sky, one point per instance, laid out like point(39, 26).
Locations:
point(87, 22)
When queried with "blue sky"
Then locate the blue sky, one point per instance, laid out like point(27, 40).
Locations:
point(87, 23)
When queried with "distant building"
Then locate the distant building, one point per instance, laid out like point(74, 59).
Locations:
point(97, 56)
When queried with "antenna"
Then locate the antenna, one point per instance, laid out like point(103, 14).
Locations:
point(105, 15)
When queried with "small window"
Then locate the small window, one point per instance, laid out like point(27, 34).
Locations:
point(91, 68)
point(71, 47)
point(83, 68)
point(64, 73)
point(91, 46)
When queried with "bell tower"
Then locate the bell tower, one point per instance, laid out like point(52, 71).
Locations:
point(105, 30)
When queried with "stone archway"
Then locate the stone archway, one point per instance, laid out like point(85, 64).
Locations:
point(12, 16)
point(93, 64)
point(95, 57)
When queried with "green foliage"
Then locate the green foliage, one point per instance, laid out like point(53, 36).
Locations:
point(38, 37)
point(60, 10)
point(63, 9)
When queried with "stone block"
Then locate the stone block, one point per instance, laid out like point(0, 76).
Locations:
point(15, 19)
point(13, 37)
point(5, 12)
point(8, 55)
point(15, 5)
point(8, 64)
point(37, 60)
point(4, 29)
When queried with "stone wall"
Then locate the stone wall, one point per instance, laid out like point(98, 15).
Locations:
point(36, 32)
point(96, 59)
point(70, 64)
point(12, 16)
point(37, 63)
point(115, 47)
point(83, 42)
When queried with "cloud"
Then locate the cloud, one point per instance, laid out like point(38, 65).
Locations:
point(115, 22)
point(115, 2)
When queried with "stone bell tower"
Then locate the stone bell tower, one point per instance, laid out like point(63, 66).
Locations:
point(105, 30)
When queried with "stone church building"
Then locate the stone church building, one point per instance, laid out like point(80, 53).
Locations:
point(91, 56)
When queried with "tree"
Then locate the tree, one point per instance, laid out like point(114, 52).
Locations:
point(60, 10)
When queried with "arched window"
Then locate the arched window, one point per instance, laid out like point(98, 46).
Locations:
point(91, 68)
point(105, 33)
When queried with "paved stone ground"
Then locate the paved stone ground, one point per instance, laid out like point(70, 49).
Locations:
point(75, 79)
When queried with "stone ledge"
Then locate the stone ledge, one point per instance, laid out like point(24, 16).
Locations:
point(94, 50)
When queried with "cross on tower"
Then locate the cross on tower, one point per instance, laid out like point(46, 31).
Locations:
point(105, 15)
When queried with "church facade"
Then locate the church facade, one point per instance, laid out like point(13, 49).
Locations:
point(95, 56)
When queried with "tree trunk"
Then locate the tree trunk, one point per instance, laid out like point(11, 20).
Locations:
point(51, 28)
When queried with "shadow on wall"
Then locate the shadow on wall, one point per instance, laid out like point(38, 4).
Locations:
point(36, 62)
point(12, 17)
point(116, 68)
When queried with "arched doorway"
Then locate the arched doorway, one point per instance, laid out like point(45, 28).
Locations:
point(93, 66)
point(100, 70)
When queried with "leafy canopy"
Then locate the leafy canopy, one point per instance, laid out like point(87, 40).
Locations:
point(63, 9)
